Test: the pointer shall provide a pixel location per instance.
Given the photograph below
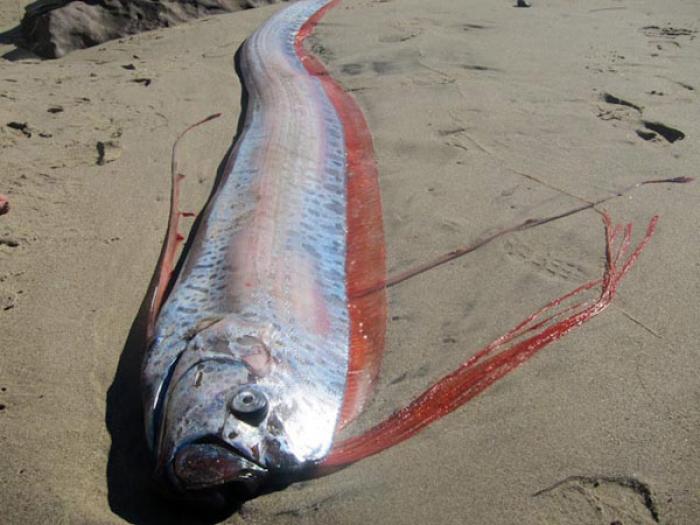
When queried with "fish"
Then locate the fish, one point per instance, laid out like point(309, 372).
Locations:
point(265, 341)
point(262, 349)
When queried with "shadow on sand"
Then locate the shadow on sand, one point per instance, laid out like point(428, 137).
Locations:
point(132, 492)
point(14, 37)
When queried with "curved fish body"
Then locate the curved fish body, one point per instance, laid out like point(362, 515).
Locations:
point(265, 345)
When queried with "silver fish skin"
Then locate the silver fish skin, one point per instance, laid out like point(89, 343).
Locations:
point(247, 371)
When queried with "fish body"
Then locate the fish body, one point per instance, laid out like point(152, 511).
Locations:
point(263, 348)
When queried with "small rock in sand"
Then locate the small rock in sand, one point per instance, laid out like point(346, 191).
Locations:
point(108, 151)
point(7, 300)
point(23, 127)
point(4, 204)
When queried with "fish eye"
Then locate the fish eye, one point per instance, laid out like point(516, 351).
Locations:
point(249, 404)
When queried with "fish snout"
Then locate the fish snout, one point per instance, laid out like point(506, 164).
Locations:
point(202, 465)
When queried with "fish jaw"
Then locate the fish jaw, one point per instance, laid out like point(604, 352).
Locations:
point(200, 466)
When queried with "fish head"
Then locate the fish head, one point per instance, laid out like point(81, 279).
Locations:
point(220, 420)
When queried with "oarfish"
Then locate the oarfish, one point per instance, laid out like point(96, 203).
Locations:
point(268, 340)
point(263, 350)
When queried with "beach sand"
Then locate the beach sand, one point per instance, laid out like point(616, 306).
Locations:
point(483, 116)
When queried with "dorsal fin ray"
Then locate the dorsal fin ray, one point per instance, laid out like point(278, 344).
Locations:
point(162, 278)
point(499, 357)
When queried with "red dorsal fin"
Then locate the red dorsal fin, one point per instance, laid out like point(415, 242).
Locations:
point(494, 361)
point(166, 263)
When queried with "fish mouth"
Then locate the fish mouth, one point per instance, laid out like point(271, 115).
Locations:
point(210, 463)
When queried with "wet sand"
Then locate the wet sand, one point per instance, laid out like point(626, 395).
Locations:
point(483, 116)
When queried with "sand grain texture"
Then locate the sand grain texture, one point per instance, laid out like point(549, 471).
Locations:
point(483, 116)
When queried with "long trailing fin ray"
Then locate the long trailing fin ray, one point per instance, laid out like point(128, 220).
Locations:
point(163, 275)
point(457, 253)
point(482, 370)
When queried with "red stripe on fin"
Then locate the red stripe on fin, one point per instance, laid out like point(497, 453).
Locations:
point(365, 264)
point(498, 358)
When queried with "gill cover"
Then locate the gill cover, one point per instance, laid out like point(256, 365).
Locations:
point(218, 418)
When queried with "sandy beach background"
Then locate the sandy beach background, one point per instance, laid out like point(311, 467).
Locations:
point(483, 115)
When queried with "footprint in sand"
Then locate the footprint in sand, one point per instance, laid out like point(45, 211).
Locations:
point(604, 500)
point(545, 263)
point(654, 130)
point(663, 38)
point(623, 110)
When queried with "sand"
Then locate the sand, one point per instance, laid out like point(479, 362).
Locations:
point(483, 115)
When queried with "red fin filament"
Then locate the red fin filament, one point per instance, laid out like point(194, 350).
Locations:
point(173, 238)
point(548, 324)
